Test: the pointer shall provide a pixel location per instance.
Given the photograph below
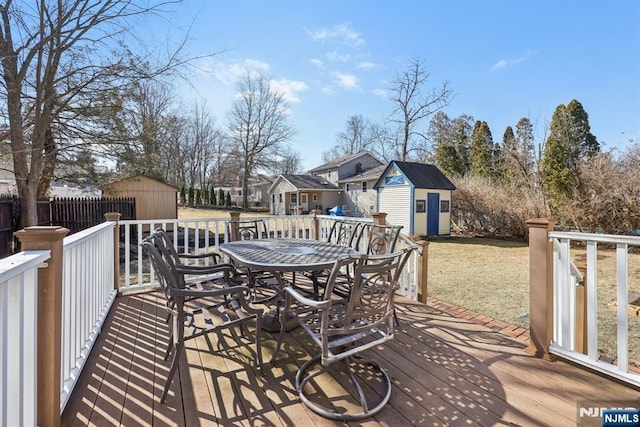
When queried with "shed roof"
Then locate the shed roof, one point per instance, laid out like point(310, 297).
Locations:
point(421, 175)
point(138, 178)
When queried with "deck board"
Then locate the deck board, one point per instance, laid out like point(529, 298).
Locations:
point(445, 371)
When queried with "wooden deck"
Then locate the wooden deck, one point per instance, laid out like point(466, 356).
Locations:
point(446, 370)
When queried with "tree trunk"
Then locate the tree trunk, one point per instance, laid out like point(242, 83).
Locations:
point(50, 158)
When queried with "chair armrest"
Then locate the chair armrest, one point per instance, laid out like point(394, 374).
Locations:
point(216, 256)
point(307, 301)
point(204, 269)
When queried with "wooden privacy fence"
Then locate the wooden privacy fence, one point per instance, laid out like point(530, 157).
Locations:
point(75, 214)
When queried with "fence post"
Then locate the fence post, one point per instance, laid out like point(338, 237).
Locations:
point(316, 224)
point(540, 287)
point(423, 269)
point(115, 216)
point(581, 310)
point(49, 319)
point(233, 226)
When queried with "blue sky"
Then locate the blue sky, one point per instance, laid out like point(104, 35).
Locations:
point(503, 59)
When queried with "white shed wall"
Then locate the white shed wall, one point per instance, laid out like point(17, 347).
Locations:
point(393, 201)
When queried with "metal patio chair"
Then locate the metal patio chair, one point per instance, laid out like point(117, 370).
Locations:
point(197, 312)
point(343, 328)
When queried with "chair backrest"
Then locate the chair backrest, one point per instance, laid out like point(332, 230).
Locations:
point(247, 229)
point(370, 301)
point(346, 233)
point(382, 239)
point(162, 263)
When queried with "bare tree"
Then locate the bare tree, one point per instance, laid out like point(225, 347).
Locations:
point(62, 61)
point(359, 134)
point(286, 161)
point(258, 124)
point(414, 102)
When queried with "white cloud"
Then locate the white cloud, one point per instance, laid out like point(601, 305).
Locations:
point(338, 57)
point(317, 62)
point(229, 74)
point(367, 65)
point(506, 63)
point(289, 89)
point(380, 92)
point(346, 81)
point(328, 91)
point(343, 33)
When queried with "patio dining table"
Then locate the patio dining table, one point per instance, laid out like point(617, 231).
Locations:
point(284, 255)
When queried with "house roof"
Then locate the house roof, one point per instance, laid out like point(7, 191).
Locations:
point(340, 161)
point(306, 182)
point(368, 175)
point(421, 175)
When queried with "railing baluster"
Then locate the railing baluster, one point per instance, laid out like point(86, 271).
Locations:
point(592, 301)
point(623, 301)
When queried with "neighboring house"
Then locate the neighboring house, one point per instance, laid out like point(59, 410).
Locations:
point(258, 189)
point(292, 194)
point(154, 199)
point(359, 195)
point(346, 181)
point(70, 189)
point(417, 196)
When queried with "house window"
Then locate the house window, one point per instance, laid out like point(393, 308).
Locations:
point(421, 205)
point(346, 187)
point(294, 198)
point(364, 186)
point(314, 198)
point(280, 197)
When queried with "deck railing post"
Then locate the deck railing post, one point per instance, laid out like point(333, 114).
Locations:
point(233, 226)
point(423, 264)
point(316, 224)
point(379, 218)
point(581, 310)
point(540, 287)
point(115, 217)
point(49, 319)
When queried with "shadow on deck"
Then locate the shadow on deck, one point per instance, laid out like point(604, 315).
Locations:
point(446, 371)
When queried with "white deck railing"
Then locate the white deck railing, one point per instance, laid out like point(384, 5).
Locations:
point(87, 295)
point(205, 235)
point(564, 286)
point(18, 337)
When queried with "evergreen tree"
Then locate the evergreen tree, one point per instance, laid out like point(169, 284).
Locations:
point(510, 170)
point(450, 143)
point(191, 196)
point(482, 150)
point(212, 199)
point(227, 200)
point(221, 196)
point(569, 144)
point(198, 197)
point(183, 196)
point(525, 148)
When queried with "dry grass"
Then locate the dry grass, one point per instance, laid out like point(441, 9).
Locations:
point(491, 277)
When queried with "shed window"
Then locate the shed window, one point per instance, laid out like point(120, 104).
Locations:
point(294, 198)
point(364, 186)
point(280, 197)
point(347, 187)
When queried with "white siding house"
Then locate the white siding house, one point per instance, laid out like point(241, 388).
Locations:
point(417, 196)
